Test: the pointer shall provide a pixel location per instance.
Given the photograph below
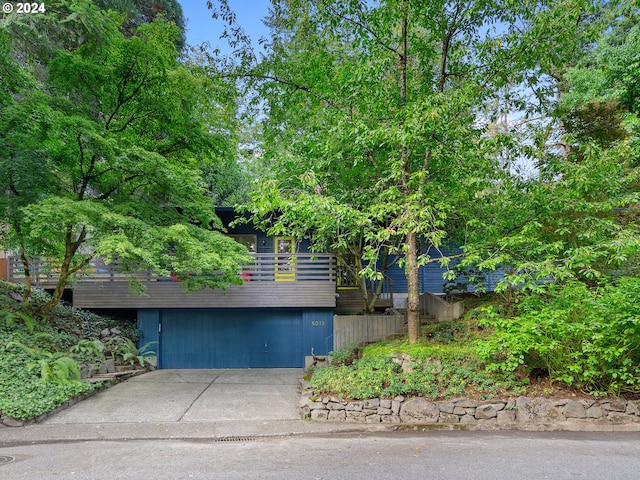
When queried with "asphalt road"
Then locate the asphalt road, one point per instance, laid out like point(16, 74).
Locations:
point(403, 455)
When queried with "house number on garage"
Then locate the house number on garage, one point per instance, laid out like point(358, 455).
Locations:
point(317, 323)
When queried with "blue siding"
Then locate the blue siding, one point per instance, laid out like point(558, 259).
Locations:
point(396, 274)
point(431, 275)
point(317, 326)
point(236, 338)
point(148, 325)
point(431, 278)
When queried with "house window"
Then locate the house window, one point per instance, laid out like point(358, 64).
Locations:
point(285, 245)
point(249, 241)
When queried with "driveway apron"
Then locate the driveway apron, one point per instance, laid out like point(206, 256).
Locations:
point(190, 396)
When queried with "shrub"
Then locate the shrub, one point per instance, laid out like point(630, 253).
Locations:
point(364, 378)
point(34, 380)
point(589, 338)
point(129, 352)
point(344, 356)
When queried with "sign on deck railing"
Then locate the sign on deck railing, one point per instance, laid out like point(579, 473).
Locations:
point(267, 267)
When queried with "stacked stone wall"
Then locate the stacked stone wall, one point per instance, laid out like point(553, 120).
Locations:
point(521, 412)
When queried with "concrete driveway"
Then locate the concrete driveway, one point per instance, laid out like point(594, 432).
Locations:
point(203, 396)
point(206, 405)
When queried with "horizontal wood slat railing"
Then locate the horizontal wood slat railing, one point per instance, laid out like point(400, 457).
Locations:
point(267, 267)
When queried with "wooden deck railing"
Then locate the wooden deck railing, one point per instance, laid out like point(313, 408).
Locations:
point(268, 267)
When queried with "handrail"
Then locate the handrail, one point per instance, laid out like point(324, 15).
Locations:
point(440, 307)
point(387, 288)
point(267, 267)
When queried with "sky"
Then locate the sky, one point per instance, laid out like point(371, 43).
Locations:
point(201, 27)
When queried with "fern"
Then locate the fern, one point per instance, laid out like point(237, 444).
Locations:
point(65, 369)
point(11, 319)
point(30, 323)
point(33, 352)
point(44, 337)
point(143, 349)
point(89, 348)
point(45, 370)
point(62, 370)
point(130, 353)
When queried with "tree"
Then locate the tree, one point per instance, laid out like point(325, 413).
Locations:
point(13, 79)
point(603, 98)
point(119, 131)
point(138, 12)
point(377, 112)
point(577, 219)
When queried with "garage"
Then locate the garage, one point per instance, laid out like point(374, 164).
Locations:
point(234, 338)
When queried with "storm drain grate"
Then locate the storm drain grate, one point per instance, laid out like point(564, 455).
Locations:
point(236, 439)
point(4, 459)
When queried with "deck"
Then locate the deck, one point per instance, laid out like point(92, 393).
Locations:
point(272, 281)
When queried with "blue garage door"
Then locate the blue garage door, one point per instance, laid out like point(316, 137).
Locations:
point(231, 338)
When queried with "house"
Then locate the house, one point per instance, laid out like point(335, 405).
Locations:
point(394, 284)
point(282, 311)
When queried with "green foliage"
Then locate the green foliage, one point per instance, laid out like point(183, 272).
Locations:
point(574, 216)
point(93, 165)
point(445, 332)
point(382, 128)
point(583, 337)
point(452, 374)
point(576, 222)
point(89, 350)
point(343, 356)
point(129, 352)
point(365, 378)
point(608, 73)
point(435, 370)
point(39, 361)
point(137, 12)
point(60, 370)
point(35, 397)
point(53, 366)
point(39, 296)
point(11, 318)
point(34, 380)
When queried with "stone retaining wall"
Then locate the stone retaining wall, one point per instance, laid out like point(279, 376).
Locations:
point(514, 413)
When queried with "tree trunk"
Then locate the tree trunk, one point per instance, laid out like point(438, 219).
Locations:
point(370, 301)
point(67, 269)
point(411, 267)
point(413, 288)
point(65, 272)
point(375, 294)
point(57, 294)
